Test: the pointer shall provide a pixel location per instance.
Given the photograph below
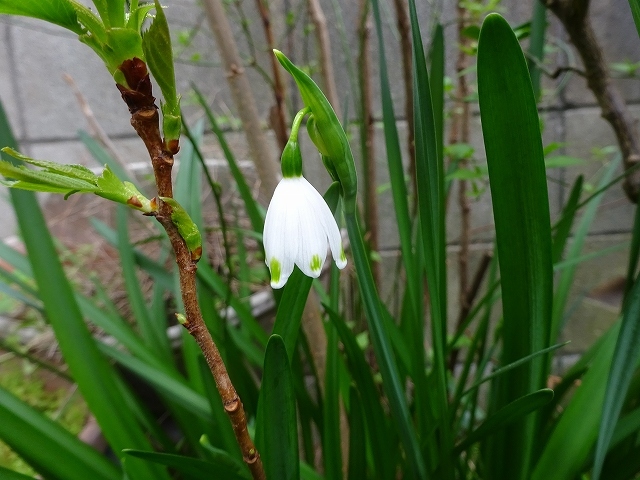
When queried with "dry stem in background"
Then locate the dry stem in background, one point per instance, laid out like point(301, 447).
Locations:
point(277, 116)
point(574, 16)
point(367, 135)
point(404, 29)
point(145, 121)
point(324, 51)
point(259, 149)
point(459, 133)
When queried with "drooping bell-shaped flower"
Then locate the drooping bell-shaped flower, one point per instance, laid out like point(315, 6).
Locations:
point(298, 227)
point(299, 224)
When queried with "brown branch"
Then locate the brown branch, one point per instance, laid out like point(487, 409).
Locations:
point(574, 16)
point(367, 134)
point(277, 117)
point(404, 29)
point(460, 133)
point(265, 163)
point(145, 121)
point(324, 50)
point(468, 301)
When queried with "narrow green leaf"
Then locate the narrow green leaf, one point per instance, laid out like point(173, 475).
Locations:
point(256, 215)
point(563, 227)
point(536, 45)
point(634, 254)
point(635, 11)
point(280, 428)
point(378, 430)
point(357, 444)
point(59, 12)
point(515, 159)
point(193, 468)
point(575, 433)
point(565, 281)
point(11, 475)
point(59, 454)
point(431, 209)
point(509, 414)
point(623, 365)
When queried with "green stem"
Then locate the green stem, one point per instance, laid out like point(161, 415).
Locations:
point(383, 350)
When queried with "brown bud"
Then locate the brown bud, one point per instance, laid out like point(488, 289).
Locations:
point(196, 254)
point(134, 202)
point(138, 92)
point(173, 146)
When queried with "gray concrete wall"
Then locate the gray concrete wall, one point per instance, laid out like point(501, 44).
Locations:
point(45, 115)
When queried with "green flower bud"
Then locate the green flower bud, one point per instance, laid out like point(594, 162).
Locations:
point(326, 133)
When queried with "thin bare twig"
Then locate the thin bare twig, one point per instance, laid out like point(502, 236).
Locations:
point(367, 132)
point(574, 16)
point(469, 299)
point(404, 29)
point(145, 121)
point(277, 116)
point(266, 165)
point(460, 133)
point(324, 50)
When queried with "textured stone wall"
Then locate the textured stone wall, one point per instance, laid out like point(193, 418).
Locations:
point(45, 116)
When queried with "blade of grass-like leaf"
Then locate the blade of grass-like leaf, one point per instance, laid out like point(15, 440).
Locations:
point(221, 456)
point(280, 429)
point(575, 433)
point(384, 351)
point(47, 446)
point(94, 376)
point(566, 277)
point(148, 332)
point(623, 365)
point(634, 254)
point(7, 474)
point(378, 430)
point(536, 45)
point(252, 207)
point(506, 416)
point(193, 468)
point(635, 11)
point(357, 451)
point(403, 217)
point(511, 366)
point(563, 227)
point(430, 184)
point(168, 383)
point(436, 78)
point(515, 159)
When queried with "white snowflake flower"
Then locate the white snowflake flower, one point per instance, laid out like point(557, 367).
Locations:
point(297, 229)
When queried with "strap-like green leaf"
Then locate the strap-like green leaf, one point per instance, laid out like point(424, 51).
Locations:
point(515, 160)
point(623, 365)
point(48, 447)
point(278, 404)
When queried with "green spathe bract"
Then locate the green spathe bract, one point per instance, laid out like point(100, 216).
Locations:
point(326, 132)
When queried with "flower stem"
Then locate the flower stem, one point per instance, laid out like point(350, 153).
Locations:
point(297, 121)
point(382, 348)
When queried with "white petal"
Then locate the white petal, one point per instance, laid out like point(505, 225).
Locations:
point(279, 237)
point(312, 249)
point(326, 219)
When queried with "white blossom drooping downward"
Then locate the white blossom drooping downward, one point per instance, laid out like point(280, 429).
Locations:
point(297, 229)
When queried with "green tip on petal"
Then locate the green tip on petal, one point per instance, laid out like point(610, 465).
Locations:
point(316, 263)
point(274, 266)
